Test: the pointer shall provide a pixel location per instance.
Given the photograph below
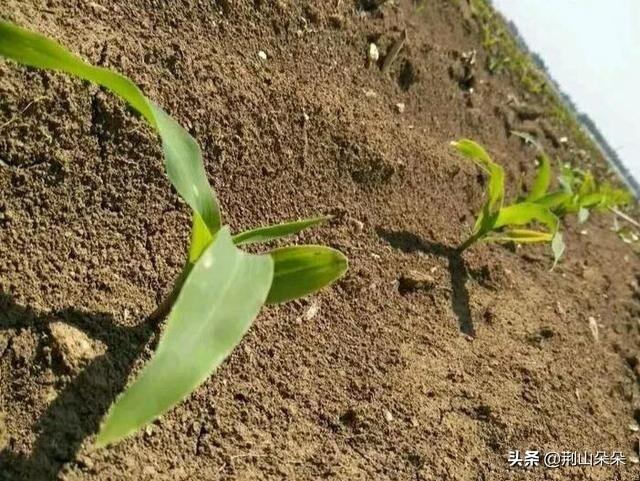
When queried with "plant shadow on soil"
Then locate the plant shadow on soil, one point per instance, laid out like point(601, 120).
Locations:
point(81, 402)
point(408, 242)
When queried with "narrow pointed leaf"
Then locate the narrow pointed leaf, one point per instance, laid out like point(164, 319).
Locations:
point(520, 236)
point(273, 232)
point(302, 270)
point(183, 160)
point(218, 302)
point(495, 187)
point(542, 181)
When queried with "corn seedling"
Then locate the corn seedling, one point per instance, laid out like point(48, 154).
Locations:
point(499, 223)
point(579, 192)
point(221, 288)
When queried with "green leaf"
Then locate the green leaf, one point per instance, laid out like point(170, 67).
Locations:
point(588, 185)
point(542, 181)
point(526, 212)
point(218, 302)
point(520, 236)
point(201, 237)
point(183, 160)
point(555, 201)
point(302, 270)
point(568, 178)
point(495, 187)
point(273, 232)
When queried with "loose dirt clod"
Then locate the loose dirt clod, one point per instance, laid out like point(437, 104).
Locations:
point(73, 346)
point(415, 280)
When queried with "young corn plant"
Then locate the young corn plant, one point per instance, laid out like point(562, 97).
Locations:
point(579, 194)
point(221, 288)
point(499, 223)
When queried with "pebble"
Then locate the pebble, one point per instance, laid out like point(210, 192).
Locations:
point(312, 311)
point(593, 326)
point(262, 55)
point(400, 107)
point(387, 415)
point(373, 53)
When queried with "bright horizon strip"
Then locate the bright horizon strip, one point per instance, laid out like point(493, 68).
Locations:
point(592, 49)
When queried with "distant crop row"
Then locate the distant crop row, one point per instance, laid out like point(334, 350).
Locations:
point(221, 288)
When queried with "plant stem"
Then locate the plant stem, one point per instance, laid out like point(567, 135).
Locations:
point(466, 244)
point(167, 303)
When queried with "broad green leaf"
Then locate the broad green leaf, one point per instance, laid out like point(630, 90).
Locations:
point(524, 213)
point(542, 181)
point(302, 270)
point(273, 232)
point(183, 160)
point(218, 302)
point(495, 187)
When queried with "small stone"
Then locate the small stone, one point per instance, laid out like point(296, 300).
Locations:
point(73, 346)
point(312, 311)
point(387, 416)
point(593, 327)
point(373, 54)
point(262, 55)
point(415, 280)
point(400, 107)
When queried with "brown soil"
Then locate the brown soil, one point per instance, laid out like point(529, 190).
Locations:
point(432, 380)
